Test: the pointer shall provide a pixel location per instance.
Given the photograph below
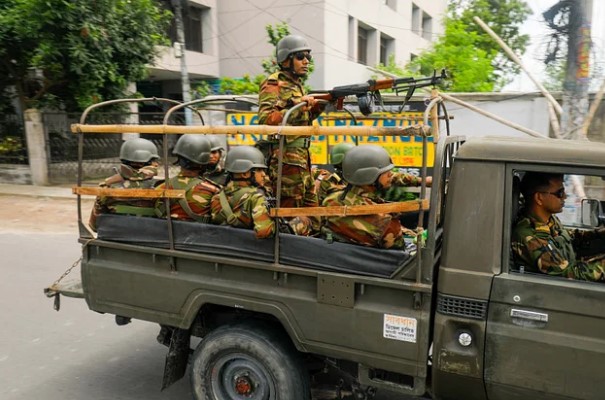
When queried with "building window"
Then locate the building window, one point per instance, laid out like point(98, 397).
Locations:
point(362, 45)
point(192, 23)
point(386, 48)
point(416, 19)
point(193, 29)
point(427, 26)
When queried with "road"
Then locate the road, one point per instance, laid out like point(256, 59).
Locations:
point(74, 354)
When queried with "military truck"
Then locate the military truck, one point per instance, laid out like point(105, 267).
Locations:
point(452, 318)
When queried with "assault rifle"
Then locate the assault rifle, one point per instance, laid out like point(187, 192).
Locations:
point(369, 92)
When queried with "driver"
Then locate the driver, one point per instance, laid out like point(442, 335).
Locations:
point(541, 243)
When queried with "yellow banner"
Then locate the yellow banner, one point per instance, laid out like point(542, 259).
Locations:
point(406, 151)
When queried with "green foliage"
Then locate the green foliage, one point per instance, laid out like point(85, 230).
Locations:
point(275, 34)
point(74, 53)
point(469, 67)
point(475, 61)
point(11, 147)
point(245, 85)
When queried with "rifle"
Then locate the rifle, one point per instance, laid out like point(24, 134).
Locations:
point(369, 92)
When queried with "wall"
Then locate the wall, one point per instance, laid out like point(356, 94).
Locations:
point(326, 25)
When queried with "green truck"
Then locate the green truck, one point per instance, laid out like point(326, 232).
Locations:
point(300, 318)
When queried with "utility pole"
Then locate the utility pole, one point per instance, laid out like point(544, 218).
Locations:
point(575, 94)
point(577, 74)
point(180, 53)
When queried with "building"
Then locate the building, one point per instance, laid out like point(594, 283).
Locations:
point(227, 38)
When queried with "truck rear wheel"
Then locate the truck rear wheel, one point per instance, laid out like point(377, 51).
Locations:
point(247, 361)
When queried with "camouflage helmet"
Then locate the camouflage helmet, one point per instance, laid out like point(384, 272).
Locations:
point(363, 165)
point(337, 153)
point(290, 44)
point(138, 150)
point(243, 158)
point(215, 143)
point(194, 148)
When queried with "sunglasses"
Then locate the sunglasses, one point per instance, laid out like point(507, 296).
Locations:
point(559, 193)
point(301, 56)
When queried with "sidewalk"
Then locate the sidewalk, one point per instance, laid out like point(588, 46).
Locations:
point(38, 191)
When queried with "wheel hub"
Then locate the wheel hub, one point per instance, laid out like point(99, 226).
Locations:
point(243, 385)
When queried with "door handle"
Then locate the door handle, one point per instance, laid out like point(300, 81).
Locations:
point(528, 318)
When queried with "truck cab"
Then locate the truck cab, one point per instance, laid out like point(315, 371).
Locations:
point(501, 332)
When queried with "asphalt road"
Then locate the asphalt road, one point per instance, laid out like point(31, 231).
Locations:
point(73, 354)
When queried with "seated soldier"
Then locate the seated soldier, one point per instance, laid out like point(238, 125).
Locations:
point(367, 169)
point(193, 155)
point(242, 203)
point(541, 243)
point(329, 182)
point(139, 158)
point(215, 171)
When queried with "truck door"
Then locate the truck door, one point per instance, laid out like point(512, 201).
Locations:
point(545, 335)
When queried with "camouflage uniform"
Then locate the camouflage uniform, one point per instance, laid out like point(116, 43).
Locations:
point(378, 230)
point(248, 209)
point(278, 93)
point(398, 192)
point(328, 183)
point(127, 178)
point(217, 175)
point(196, 205)
point(550, 248)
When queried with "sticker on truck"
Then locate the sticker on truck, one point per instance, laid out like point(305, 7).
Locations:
point(399, 328)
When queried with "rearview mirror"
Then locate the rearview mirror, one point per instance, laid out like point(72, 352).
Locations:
point(592, 213)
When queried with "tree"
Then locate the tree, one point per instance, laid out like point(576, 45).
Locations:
point(474, 59)
point(71, 54)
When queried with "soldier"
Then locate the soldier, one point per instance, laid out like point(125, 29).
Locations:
point(215, 171)
point(541, 243)
point(139, 165)
point(367, 169)
point(278, 93)
point(193, 155)
point(330, 182)
point(242, 203)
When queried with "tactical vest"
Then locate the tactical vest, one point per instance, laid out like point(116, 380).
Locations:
point(129, 206)
point(174, 183)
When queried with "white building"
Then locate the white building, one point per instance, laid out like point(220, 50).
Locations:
point(227, 38)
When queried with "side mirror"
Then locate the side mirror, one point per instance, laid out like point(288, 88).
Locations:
point(592, 213)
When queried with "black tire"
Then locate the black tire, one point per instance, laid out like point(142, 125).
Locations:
point(247, 361)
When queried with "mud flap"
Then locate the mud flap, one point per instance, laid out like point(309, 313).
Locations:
point(177, 357)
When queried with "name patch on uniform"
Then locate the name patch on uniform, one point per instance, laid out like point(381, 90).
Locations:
point(401, 328)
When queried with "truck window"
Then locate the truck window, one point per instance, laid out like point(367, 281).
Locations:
point(558, 224)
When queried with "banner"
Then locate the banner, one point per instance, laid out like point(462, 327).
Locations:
point(405, 151)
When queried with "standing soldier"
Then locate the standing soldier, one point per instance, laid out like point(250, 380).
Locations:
point(278, 93)
point(243, 203)
point(215, 171)
point(193, 155)
point(367, 170)
point(139, 165)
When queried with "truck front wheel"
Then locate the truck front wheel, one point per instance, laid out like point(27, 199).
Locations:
point(247, 361)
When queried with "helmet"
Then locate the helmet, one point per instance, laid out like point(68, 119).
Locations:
point(243, 158)
point(194, 148)
point(215, 143)
point(337, 153)
point(290, 44)
point(138, 150)
point(362, 165)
